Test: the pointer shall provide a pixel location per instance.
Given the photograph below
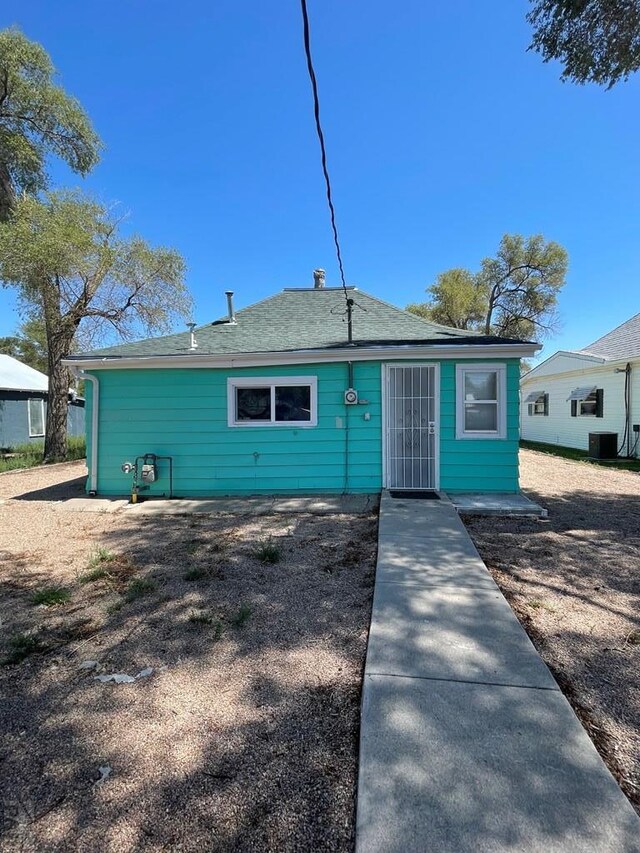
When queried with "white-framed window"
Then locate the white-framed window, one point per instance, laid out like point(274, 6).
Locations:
point(35, 409)
point(587, 402)
point(539, 405)
point(481, 401)
point(272, 401)
point(589, 406)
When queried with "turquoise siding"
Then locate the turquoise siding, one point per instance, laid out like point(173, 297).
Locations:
point(478, 465)
point(183, 413)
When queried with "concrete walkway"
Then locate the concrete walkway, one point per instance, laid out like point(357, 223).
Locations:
point(467, 743)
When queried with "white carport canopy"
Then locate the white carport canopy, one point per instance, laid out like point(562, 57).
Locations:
point(533, 396)
point(582, 393)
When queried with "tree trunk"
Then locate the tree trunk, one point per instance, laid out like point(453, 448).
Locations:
point(55, 443)
point(7, 193)
point(59, 342)
point(491, 305)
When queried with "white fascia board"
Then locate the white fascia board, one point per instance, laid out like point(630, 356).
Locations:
point(257, 359)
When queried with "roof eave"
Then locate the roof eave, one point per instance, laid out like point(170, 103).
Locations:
point(22, 390)
point(310, 356)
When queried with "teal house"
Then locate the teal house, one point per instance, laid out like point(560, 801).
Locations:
point(313, 390)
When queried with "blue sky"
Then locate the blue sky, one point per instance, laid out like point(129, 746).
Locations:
point(443, 133)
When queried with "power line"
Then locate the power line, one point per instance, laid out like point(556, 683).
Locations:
point(316, 110)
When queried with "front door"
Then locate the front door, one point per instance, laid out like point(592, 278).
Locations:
point(411, 441)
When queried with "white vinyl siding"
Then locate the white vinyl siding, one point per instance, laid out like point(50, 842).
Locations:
point(563, 429)
point(561, 363)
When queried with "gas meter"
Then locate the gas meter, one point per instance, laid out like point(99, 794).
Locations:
point(148, 470)
point(144, 471)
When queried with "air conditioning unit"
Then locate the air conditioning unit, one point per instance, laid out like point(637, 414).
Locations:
point(350, 397)
point(603, 445)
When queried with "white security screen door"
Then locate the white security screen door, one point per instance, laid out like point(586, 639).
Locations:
point(411, 442)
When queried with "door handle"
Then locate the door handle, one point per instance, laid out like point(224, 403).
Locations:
point(432, 428)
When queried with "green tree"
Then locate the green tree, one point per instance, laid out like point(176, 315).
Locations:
point(37, 118)
point(514, 294)
point(28, 345)
point(73, 267)
point(596, 41)
point(457, 301)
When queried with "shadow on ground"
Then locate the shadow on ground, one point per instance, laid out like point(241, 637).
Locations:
point(573, 581)
point(244, 737)
point(58, 492)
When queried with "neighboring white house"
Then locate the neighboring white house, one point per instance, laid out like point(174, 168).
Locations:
point(596, 389)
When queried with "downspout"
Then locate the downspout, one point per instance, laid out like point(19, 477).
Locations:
point(95, 402)
point(629, 417)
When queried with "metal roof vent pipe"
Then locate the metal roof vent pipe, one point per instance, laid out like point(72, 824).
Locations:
point(318, 279)
point(193, 345)
point(231, 314)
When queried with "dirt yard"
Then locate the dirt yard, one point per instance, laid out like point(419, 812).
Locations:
point(574, 582)
point(242, 640)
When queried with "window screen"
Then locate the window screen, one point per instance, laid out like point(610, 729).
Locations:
point(36, 417)
point(293, 402)
point(480, 408)
point(481, 401)
point(253, 404)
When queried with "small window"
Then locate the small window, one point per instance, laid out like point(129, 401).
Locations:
point(480, 401)
point(540, 405)
point(36, 418)
point(587, 403)
point(589, 406)
point(279, 401)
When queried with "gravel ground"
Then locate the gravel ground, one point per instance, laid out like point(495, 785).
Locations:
point(574, 583)
point(244, 736)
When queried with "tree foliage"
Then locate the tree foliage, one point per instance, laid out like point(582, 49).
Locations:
point(73, 268)
point(28, 345)
point(37, 118)
point(513, 294)
point(457, 301)
point(596, 40)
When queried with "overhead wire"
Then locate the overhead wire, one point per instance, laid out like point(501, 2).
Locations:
point(323, 150)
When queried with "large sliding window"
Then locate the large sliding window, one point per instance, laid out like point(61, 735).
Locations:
point(272, 401)
point(481, 391)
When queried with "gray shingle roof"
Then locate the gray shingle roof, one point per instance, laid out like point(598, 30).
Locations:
point(621, 342)
point(302, 319)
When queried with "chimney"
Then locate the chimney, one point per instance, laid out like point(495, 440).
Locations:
point(193, 344)
point(232, 316)
point(318, 279)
